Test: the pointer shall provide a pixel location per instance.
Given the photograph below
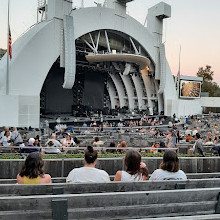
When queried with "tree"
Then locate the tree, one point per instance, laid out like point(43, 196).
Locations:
point(208, 85)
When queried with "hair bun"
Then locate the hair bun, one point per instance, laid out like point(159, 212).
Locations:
point(90, 149)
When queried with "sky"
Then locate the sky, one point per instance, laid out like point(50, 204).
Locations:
point(194, 24)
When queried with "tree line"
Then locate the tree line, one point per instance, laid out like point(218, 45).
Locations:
point(208, 85)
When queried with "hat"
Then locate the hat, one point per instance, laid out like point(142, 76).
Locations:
point(31, 140)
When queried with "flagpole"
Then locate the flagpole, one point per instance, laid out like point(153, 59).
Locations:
point(7, 76)
point(178, 77)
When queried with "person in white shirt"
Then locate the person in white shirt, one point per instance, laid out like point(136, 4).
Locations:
point(52, 145)
point(135, 170)
point(169, 168)
point(209, 142)
point(3, 132)
point(6, 139)
point(88, 173)
point(68, 141)
point(97, 141)
point(194, 132)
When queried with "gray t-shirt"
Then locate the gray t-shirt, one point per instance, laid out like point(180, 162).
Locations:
point(160, 174)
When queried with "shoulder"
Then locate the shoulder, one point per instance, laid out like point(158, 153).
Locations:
point(102, 172)
point(158, 171)
point(182, 173)
point(156, 174)
point(118, 176)
point(20, 180)
point(46, 178)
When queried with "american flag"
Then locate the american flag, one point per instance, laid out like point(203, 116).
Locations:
point(9, 44)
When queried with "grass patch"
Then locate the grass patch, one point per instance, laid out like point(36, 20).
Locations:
point(81, 155)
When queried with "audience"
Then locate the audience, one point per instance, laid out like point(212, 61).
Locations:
point(198, 146)
point(16, 138)
point(189, 138)
point(135, 170)
point(97, 141)
point(32, 148)
point(6, 139)
point(122, 145)
point(209, 142)
point(32, 171)
point(68, 141)
point(52, 145)
point(154, 147)
point(169, 168)
point(88, 173)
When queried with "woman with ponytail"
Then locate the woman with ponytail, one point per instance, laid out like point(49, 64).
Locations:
point(88, 173)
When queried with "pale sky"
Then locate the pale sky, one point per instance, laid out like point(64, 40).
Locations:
point(194, 24)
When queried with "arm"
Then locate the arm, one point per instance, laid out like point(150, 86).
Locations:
point(118, 176)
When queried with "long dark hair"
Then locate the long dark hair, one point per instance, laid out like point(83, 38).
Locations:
point(90, 155)
point(132, 163)
point(33, 167)
point(170, 161)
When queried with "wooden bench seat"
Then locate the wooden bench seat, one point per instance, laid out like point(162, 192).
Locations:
point(80, 188)
point(117, 205)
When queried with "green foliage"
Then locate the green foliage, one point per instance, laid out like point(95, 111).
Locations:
point(81, 155)
point(208, 85)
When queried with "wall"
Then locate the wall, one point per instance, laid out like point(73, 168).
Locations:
point(59, 167)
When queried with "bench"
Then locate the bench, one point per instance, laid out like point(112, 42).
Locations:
point(63, 179)
point(117, 205)
point(80, 188)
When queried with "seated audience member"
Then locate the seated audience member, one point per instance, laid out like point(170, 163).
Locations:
point(189, 138)
point(122, 145)
point(169, 168)
point(113, 146)
point(32, 171)
point(209, 135)
point(75, 139)
point(135, 170)
point(32, 148)
point(194, 131)
point(16, 137)
point(6, 139)
point(209, 142)
point(68, 141)
point(154, 146)
point(88, 173)
point(97, 141)
point(36, 142)
point(3, 132)
point(52, 145)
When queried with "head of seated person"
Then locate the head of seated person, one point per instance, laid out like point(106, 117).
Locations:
point(32, 171)
point(97, 141)
point(88, 173)
point(135, 170)
point(169, 168)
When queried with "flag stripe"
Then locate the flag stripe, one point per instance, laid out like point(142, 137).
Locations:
point(9, 44)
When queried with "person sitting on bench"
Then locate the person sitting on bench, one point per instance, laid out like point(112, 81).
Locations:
point(32, 171)
point(135, 170)
point(88, 173)
point(169, 168)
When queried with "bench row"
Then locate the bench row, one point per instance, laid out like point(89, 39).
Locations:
point(80, 188)
point(117, 205)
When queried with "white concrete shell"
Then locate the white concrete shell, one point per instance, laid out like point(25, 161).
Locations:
point(36, 50)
